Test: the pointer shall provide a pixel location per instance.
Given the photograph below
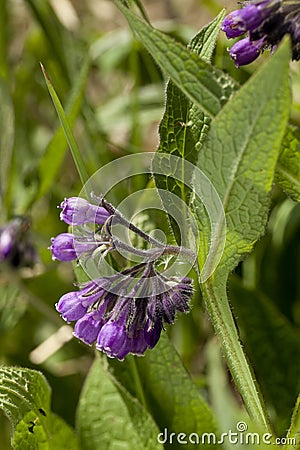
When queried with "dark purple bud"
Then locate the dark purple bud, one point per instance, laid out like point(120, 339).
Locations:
point(248, 18)
point(78, 211)
point(152, 332)
point(168, 307)
point(67, 247)
point(154, 309)
point(138, 344)
point(242, 20)
point(180, 301)
point(245, 51)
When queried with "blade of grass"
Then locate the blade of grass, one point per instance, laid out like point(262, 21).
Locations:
point(67, 130)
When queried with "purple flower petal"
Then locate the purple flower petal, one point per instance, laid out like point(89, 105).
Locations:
point(6, 243)
point(67, 247)
point(78, 211)
point(88, 327)
point(70, 307)
point(249, 18)
point(113, 339)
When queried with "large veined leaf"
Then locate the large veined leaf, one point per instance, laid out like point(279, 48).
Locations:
point(240, 154)
point(160, 381)
point(183, 127)
point(108, 416)
point(204, 85)
point(25, 399)
point(176, 401)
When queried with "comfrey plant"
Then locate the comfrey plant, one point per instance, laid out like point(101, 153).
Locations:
point(266, 22)
point(123, 313)
point(236, 157)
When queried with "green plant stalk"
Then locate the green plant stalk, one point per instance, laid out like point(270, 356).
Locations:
point(223, 322)
point(4, 70)
point(67, 130)
point(137, 381)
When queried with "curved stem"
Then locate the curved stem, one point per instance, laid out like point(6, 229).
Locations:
point(121, 219)
point(223, 321)
point(154, 253)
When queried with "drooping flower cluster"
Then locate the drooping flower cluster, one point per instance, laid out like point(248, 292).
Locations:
point(266, 22)
point(16, 246)
point(125, 312)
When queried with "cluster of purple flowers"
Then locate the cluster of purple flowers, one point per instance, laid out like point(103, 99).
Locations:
point(16, 247)
point(125, 312)
point(266, 22)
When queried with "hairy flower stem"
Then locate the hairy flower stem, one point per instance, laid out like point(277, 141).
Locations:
point(155, 253)
point(223, 322)
point(160, 249)
point(115, 214)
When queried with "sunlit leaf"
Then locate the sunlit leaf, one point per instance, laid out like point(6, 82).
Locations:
point(25, 399)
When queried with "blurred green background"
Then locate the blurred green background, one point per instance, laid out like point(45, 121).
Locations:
point(113, 94)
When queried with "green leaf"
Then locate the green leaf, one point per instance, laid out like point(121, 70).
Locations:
point(52, 159)
point(266, 334)
point(67, 130)
point(175, 400)
point(240, 155)
point(204, 85)
point(184, 126)
point(6, 138)
point(107, 413)
point(204, 42)
point(201, 83)
point(25, 399)
point(287, 173)
point(293, 436)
